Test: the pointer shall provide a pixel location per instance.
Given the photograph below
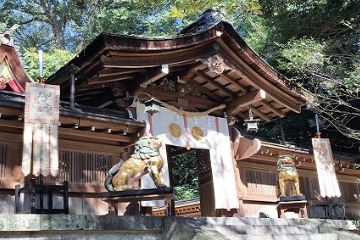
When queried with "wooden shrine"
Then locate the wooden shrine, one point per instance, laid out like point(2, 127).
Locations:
point(209, 77)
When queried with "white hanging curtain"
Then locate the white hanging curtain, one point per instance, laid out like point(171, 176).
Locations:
point(40, 152)
point(202, 132)
point(329, 186)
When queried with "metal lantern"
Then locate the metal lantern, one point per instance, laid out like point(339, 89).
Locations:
point(251, 123)
point(151, 106)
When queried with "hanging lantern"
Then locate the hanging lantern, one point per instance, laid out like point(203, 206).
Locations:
point(151, 106)
point(251, 123)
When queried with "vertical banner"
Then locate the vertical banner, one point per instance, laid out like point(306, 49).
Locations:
point(40, 150)
point(329, 186)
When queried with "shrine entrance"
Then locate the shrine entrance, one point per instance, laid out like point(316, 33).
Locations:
point(204, 178)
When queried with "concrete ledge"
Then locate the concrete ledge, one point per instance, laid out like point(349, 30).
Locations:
point(33, 226)
point(324, 224)
point(60, 222)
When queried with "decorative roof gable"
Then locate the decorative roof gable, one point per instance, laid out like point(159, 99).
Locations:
point(12, 75)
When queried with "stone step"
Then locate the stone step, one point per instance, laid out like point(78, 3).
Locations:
point(88, 235)
point(327, 236)
point(248, 221)
point(265, 229)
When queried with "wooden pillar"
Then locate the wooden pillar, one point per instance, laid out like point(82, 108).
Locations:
point(72, 69)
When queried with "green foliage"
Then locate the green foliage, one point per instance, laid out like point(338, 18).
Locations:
point(71, 25)
point(316, 45)
point(185, 176)
point(52, 61)
point(186, 192)
point(2, 27)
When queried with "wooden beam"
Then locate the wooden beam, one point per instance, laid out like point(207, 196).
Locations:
point(96, 80)
point(102, 100)
point(90, 147)
point(191, 72)
point(234, 82)
point(100, 123)
point(148, 77)
point(95, 100)
point(258, 81)
point(89, 92)
point(247, 99)
point(10, 111)
point(164, 52)
point(206, 91)
point(272, 108)
point(260, 198)
point(170, 95)
point(94, 135)
point(260, 114)
point(86, 87)
point(153, 75)
point(242, 115)
point(214, 83)
point(244, 100)
point(73, 145)
point(91, 69)
point(63, 74)
point(116, 71)
point(11, 137)
point(156, 60)
point(11, 123)
point(85, 134)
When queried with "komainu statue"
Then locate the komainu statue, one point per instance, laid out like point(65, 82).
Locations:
point(146, 159)
point(288, 172)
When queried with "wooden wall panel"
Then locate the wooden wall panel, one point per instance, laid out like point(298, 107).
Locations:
point(10, 162)
point(77, 167)
point(259, 183)
point(3, 160)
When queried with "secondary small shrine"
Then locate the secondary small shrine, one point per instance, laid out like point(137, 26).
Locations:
point(195, 90)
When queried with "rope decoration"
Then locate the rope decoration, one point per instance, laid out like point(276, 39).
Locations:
point(187, 113)
point(192, 114)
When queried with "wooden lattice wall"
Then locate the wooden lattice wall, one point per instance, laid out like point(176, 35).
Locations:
point(78, 167)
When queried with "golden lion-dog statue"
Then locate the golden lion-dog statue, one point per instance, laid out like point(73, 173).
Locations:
point(146, 159)
point(288, 172)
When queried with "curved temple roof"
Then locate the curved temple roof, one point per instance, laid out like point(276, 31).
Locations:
point(12, 75)
point(195, 71)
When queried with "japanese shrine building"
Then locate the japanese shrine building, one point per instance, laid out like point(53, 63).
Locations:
point(205, 81)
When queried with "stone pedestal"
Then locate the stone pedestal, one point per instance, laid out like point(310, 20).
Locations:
point(297, 207)
point(136, 196)
point(292, 198)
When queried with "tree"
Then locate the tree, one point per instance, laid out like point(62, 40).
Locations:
point(70, 25)
point(53, 60)
point(316, 45)
point(313, 43)
point(185, 176)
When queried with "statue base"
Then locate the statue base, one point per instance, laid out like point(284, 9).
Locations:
point(292, 198)
point(168, 194)
point(292, 209)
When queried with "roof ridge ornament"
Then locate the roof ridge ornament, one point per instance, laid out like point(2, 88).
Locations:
point(206, 20)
